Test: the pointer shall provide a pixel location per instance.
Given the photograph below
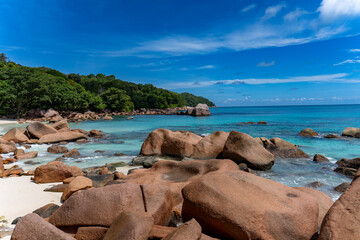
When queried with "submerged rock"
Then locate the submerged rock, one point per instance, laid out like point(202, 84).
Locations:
point(342, 187)
point(72, 153)
point(332, 136)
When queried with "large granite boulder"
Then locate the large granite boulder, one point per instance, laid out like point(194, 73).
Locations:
point(61, 126)
point(167, 142)
point(55, 171)
point(33, 227)
point(242, 148)
point(130, 225)
point(91, 233)
point(343, 219)
point(240, 205)
point(162, 184)
point(325, 202)
point(211, 146)
point(350, 132)
point(28, 155)
point(47, 210)
point(199, 110)
point(67, 136)
point(283, 149)
point(15, 135)
point(99, 206)
point(39, 129)
point(78, 183)
point(308, 132)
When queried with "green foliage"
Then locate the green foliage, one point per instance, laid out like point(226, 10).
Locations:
point(192, 100)
point(25, 88)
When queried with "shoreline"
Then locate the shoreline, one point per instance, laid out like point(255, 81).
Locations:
point(5, 122)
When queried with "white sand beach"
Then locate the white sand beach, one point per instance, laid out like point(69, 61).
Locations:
point(20, 196)
point(3, 122)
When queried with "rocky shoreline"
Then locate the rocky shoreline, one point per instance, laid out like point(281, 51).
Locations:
point(182, 186)
point(51, 115)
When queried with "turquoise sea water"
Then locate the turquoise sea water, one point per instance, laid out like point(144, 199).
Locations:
point(126, 136)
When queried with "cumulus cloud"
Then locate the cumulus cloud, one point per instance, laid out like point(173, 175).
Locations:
point(331, 10)
point(266, 64)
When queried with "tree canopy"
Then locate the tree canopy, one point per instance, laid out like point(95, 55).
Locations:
point(25, 88)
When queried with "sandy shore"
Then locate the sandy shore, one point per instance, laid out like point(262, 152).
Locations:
point(20, 196)
point(3, 122)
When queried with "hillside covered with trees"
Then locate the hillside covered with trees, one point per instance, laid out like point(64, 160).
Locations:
point(25, 88)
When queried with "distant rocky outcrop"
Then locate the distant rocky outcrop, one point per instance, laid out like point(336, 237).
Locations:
point(199, 110)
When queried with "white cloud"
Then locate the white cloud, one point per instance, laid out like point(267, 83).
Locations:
point(272, 11)
point(331, 10)
point(266, 64)
point(206, 67)
point(347, 61)
point(294, 15)
point(248, 8)
point(354, 50)
point(338, 77)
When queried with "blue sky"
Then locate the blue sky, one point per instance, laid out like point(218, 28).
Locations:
point(236, 53)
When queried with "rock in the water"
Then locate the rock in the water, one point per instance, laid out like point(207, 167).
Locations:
point(15, 135)
point(27, 155)
point(55, 172)
point(350, 131)
point(348, 167)
point(262, 123)
point(78, 183)
point(130, 225)
point(199, 110)
point(9, 160)
point(191, 230)
point(320, 158)
point(39, 129)
point(315, 184)
point(343, 219)
point(242, 148)
point(96, 134)
point(166, 142)
point(6, 148)
point(71, 153)
point(61, 136)
point(61, 126)
point(342, 187)
point(332, 136)
point(57, 149)
point(236, 205)
point(283, 149)
point(47, 210)
point(33, 227)
point(99, 206)
point(211, 146)
point(91, 233)
point(108, 118)
point(308, 132)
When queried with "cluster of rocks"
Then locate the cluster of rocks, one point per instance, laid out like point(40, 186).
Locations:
point(39, 133)
point(251, 123)
point(256, 153)
point(348, 132)
point(192, 199)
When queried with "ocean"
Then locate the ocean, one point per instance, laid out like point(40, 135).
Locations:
point(126, 136)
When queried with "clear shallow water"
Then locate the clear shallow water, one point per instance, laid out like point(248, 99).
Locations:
point(284, 122)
